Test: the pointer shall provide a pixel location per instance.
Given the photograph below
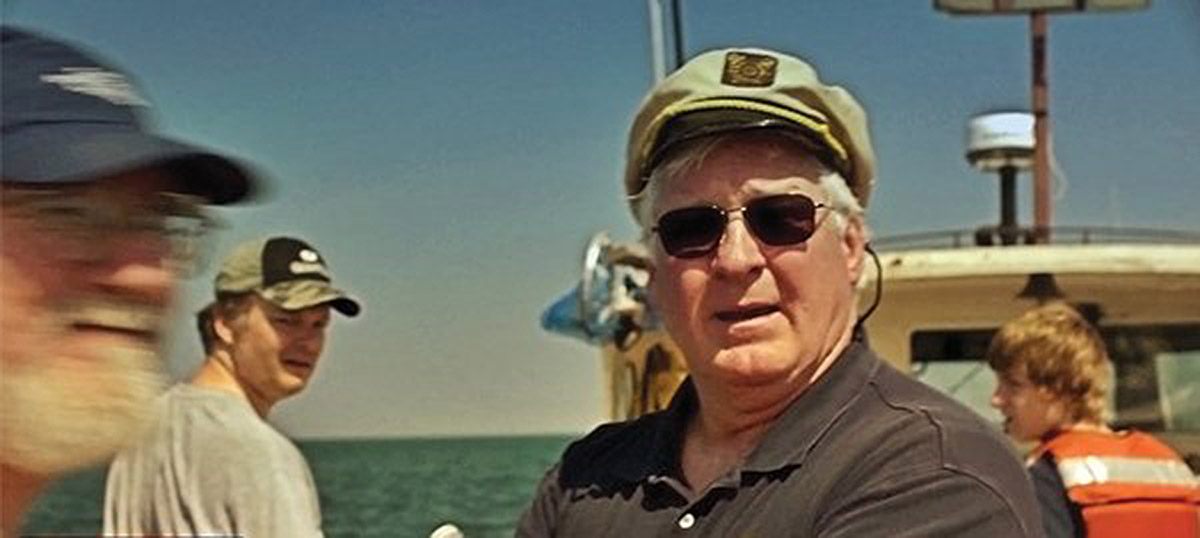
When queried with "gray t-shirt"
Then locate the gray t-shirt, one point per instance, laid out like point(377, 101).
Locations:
point(211, 466)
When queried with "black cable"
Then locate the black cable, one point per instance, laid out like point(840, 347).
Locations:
point(878, 286)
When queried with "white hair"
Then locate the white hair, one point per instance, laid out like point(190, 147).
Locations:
point(841, 199)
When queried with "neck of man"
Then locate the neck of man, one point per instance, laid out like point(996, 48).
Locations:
point(1085, 426)
point(732, 420)
point(18, 490)
point(217, 372)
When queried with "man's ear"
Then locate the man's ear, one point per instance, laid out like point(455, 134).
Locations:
point(221, 328)
point(854, 241)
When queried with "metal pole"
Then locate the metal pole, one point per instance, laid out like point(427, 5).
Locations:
point(1042, 203)
point(658, 54)
point(677, 29)
point(1008, 205)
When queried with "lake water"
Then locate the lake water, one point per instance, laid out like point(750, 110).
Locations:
point(373, 488)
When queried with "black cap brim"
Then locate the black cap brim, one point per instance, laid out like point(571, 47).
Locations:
point(704, 123)
point(347, 306)
point(305, 293)
point(77, 153)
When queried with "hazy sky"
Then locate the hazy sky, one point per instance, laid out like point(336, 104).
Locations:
point(450, 158)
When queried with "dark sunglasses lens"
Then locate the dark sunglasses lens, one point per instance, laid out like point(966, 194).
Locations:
point(691, 232)
point(786, 219)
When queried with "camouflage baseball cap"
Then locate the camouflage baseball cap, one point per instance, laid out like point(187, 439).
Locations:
point(739, 89)
point(285, 271)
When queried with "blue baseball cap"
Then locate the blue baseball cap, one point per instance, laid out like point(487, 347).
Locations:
point(70, 117)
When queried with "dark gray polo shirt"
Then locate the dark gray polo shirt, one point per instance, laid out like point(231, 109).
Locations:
point(865, 451)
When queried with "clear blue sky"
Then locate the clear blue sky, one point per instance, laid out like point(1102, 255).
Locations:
point(450, 158)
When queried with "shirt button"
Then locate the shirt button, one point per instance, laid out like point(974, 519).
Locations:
point(687, 521)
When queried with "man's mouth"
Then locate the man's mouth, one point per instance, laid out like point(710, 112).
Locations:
point(134, 333)
point(297, 364)
point(138, 322)
point(746, 313)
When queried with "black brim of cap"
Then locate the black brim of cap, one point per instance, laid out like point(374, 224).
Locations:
point(346, 306)
point(698, 124)
point(305, 293)
point(77, 153)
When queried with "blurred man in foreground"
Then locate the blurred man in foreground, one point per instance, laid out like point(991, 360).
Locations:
point(213, 465)
point(1054, 378)
point(98, 219)
point(749, 177)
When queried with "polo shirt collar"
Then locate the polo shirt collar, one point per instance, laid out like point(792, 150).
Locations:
point(657, 454)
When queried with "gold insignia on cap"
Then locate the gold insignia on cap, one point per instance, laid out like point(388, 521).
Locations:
point(749, 70)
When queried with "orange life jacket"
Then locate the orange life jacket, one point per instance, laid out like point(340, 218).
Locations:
point(1127, 484)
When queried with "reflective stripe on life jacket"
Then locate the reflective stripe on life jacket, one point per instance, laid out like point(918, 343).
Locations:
point(1127, 484)
point(1084, 470)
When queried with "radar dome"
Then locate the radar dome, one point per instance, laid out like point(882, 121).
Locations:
point(1000, 139)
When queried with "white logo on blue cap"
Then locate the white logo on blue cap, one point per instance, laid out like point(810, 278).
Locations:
point(96, 82)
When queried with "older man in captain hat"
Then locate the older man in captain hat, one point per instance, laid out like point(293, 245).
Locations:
point(749, 177)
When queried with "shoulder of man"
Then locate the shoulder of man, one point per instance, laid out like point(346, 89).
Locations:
point(902, 443)
point(216, 420)
point(959, 430)
point(960, 441)
point(896, 424)
point(965, 442)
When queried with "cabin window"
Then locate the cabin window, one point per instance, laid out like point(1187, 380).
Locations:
point(1156, 370)
point(952, 361)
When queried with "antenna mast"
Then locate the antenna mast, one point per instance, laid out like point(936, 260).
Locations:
point(666, 36)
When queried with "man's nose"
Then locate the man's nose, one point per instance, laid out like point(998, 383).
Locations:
point(738, 253)
point(996, 401)
point(134, 265)
point(311, 340)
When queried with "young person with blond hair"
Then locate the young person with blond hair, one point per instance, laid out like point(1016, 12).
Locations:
point(1054, 377)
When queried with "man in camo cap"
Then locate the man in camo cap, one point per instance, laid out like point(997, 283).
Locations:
point(214, 465)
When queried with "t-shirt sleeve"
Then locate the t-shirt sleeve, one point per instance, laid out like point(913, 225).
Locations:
point(270, 493)
point(541, 517)
point(1058, 514)
point(936, 503)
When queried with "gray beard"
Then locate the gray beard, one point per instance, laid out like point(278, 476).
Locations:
point(57, 417)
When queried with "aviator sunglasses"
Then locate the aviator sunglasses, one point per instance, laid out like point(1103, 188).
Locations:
point(778, 220)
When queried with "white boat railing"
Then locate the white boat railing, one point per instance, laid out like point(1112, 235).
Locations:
point(1060, 235)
